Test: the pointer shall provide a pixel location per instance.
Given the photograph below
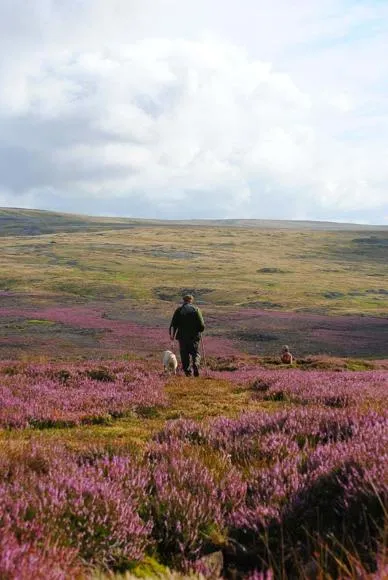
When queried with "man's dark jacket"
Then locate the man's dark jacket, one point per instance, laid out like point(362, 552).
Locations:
point(187, 322)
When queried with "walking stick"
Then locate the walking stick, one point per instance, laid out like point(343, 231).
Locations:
point(172, 341)
point(203, 355)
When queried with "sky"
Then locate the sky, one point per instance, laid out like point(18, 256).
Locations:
point(187, 109)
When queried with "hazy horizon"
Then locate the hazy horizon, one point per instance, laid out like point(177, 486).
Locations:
point(209, 219)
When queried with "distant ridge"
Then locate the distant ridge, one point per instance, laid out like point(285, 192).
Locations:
point(32, 222)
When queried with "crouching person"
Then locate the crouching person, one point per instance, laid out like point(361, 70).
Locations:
point(186, 326)
point(286, 357)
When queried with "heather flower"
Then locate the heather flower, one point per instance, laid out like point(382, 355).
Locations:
point(259, 575)
point(267, 489)
point(185, 506)
point(26, 561)
point(184, 430)
point(93, 508)
point(50, 395)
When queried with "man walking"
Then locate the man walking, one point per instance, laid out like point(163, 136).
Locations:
point(186, 326)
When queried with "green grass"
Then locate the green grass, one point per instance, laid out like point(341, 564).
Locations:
point(188, 398)
point(40, 322)
point(202, 398)
point(341, 272)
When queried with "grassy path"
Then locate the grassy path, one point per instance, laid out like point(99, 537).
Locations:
point(189, 398)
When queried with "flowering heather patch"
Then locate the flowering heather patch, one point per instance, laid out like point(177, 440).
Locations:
point(29, 560)
point(88, 511)
point(185, 505)
point(265, 489)
point(48, 395)
point(190, 500)
point(276, 492)
point(263, 332)
point(120, 336)
point(263, 438)
point(312, 475)
point(328, 388)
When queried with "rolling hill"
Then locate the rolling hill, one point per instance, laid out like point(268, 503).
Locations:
point(321, 287)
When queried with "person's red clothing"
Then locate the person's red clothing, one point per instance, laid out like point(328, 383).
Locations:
point(286, 358)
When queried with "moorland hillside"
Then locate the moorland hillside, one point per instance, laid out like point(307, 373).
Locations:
point(112, 469)
point(321, 287)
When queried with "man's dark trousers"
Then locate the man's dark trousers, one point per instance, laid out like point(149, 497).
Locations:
point(190, 348)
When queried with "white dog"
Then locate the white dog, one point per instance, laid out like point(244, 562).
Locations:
point(170, 362)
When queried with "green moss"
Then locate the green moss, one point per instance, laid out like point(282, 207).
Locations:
point(359, 365)
point(150, 568)
point(40, 322)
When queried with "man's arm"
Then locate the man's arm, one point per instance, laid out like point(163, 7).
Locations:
point(174, 323)
point(201, 324)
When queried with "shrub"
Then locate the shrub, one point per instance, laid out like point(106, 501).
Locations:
point(26, 561)
point(185, 506)
point(101, 374)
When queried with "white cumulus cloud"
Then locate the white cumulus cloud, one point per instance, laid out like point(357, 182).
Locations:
point(166, 110)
